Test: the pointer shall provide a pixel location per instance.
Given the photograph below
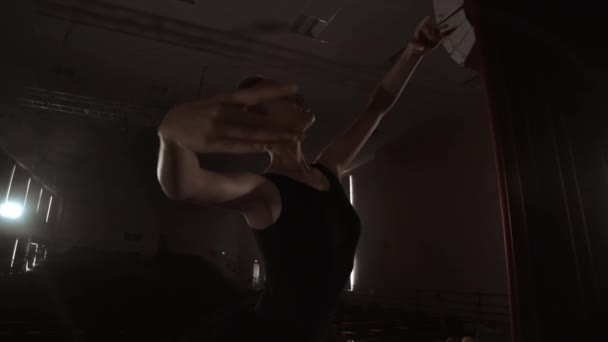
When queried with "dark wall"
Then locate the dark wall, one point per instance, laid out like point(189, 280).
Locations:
point(105, 172)
point(430, 213)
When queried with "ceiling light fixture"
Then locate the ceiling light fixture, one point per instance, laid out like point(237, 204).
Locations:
point(309, 26)
point(312, 27)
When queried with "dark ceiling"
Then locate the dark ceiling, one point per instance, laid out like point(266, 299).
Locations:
point(122, 63)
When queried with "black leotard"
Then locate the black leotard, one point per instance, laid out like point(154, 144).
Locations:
point(308, 253)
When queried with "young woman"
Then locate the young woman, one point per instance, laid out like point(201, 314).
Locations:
point(304, 224)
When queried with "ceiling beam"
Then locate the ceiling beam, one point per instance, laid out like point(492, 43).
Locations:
point(74, 104)
point(180, 33)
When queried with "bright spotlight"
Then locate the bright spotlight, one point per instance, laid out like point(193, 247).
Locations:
point(11, 210)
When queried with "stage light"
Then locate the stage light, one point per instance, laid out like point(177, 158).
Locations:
point(352, 202)
point(48, 212)
point(35, 253)
point(14, 253)
point(350, 186)
point(11, 210)
point(352, 276)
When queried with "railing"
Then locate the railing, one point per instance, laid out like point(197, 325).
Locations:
point(472, 308)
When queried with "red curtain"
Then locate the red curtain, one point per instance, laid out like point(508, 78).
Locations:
point(545, 75)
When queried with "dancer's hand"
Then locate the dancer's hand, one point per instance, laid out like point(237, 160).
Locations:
point(222, 124)
point(427, 36)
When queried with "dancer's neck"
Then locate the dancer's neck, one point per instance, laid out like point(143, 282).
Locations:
point(287, 159)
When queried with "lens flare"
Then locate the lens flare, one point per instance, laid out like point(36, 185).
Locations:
point(11, 210)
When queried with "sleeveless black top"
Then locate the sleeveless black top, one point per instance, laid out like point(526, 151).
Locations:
point(308, 254)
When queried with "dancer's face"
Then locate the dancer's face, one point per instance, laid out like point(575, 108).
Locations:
point(290, 112)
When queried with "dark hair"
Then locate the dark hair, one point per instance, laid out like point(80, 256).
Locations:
point(250, 82)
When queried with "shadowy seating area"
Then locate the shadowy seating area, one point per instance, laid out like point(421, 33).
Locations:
point(376, 323)
point(88, 294)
